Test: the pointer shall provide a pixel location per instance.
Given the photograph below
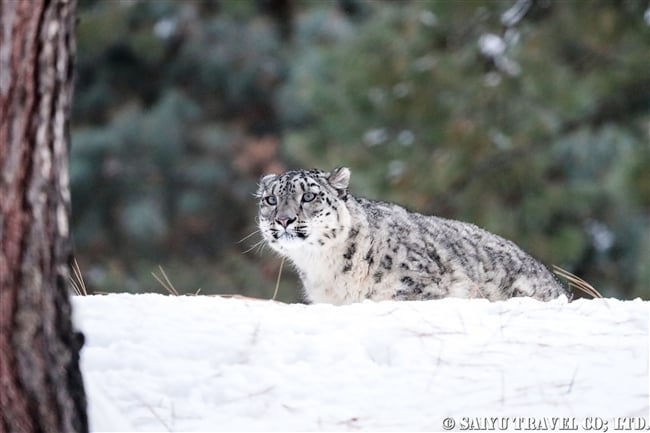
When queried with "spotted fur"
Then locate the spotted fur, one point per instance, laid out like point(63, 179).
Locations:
point(348, 249)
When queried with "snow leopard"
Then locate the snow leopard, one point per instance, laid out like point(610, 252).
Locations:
point(348, 249)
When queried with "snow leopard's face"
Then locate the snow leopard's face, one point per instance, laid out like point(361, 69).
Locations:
point(303, 208)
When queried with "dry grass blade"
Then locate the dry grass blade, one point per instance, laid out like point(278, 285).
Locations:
point(77, 280)
point(75, 288)
point(236, 296)
point(166, 283)
point(277, 282)
point(152, 411)
point(577, 282)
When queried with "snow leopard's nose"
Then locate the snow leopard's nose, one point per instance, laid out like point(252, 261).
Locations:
point(284, 220)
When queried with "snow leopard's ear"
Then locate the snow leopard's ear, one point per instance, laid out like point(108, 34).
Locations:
point(264, 182)
point(339, 178)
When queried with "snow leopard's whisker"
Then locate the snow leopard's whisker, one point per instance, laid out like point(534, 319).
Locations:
point(248, 236)
point(260, 249)
point(257, 244)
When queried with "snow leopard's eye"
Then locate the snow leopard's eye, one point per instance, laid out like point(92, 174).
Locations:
point(308, 196)
point(271, 200)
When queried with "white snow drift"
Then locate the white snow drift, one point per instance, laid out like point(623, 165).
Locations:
point(195, 363)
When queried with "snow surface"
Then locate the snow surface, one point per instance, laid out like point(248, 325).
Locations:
point(197, 363)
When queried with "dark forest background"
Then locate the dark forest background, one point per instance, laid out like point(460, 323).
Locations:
point(530, 118)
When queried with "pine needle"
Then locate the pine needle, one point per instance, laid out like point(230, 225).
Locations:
point(576, 282)
point(277, 282)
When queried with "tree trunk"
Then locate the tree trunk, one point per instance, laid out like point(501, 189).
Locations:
point(41, 388)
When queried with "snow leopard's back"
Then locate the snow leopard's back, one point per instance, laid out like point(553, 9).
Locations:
point(436, 257)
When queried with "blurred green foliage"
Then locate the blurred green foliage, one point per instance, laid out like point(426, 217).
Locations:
point(529, 118)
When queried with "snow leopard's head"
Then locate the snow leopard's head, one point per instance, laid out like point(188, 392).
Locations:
point(303, 208)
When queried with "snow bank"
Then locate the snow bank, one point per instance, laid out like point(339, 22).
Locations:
point(196, 363)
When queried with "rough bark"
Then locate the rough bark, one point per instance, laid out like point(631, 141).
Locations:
point(41, 388)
